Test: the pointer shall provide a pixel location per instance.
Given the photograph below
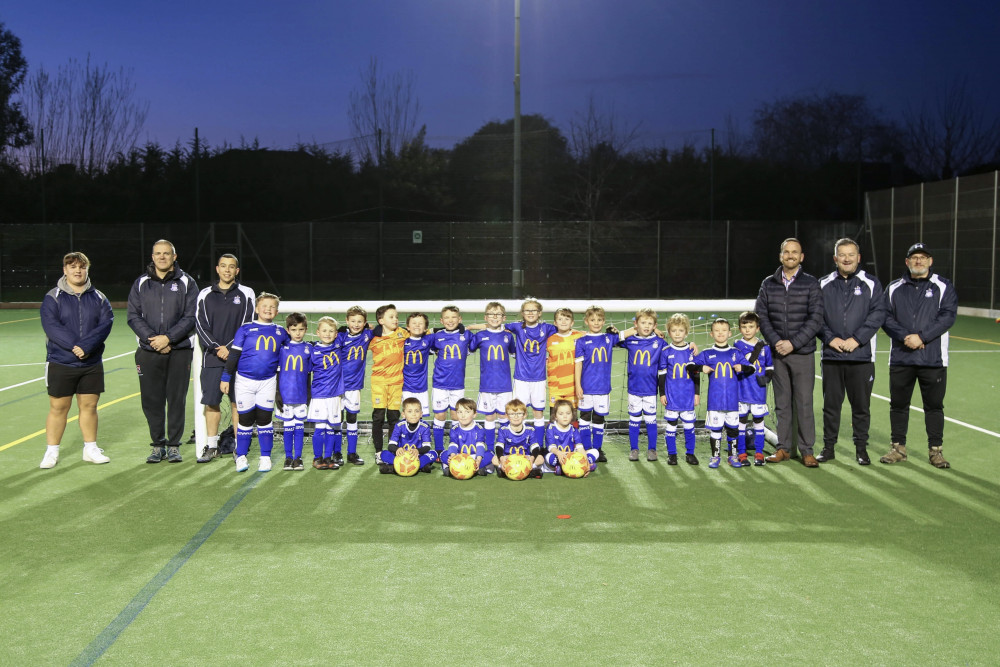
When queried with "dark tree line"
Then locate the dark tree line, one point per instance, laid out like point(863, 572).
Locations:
point(806, 157)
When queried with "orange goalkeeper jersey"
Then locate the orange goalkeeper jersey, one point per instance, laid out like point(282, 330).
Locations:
point(560, 364)
point(387, 357)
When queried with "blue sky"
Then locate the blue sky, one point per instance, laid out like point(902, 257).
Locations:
point(282, 71)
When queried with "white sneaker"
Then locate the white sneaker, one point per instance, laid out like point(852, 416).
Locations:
point(241, 464)
point(265, 464)
point(50, 459)
point(94, 455)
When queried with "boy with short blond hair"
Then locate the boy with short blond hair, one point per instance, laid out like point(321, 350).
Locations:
point(467, 438)
point(679, 388)
point(592, 377)
point(326, 396)
point(253, 366)
point(451, 347)
point(495, 345)
point(531, 336)
point(723, 364)
point(354, 339)
point(643, 363)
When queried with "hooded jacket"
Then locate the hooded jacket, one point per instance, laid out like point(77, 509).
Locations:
point(70, 319)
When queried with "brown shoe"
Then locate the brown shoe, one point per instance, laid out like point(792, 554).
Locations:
point(937, 459)
point(810, 461)
point(778, 456)
point(896, 454)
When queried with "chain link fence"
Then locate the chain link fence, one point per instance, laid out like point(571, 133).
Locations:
point(957, 219)
point(429, 260)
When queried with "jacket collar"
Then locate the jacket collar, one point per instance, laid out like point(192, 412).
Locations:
point(64, 286)
point(173, 273)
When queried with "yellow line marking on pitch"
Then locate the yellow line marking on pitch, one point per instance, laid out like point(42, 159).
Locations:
point(27, 319)
point(71, 419)
point(976, 340)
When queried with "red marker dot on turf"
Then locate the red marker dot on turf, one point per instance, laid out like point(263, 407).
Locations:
point(562, 516)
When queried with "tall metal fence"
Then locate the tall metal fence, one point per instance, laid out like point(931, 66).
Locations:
point(437, 260)
point(957, 219)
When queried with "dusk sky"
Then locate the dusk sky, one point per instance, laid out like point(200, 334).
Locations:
point(282, 71)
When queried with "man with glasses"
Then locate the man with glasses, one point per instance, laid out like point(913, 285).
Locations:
point(921, 308)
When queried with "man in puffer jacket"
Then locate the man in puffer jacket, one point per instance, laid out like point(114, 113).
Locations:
point(790, 307)
point(161, 312)
point(921, 307)
point(854, 309)
point(77, 320)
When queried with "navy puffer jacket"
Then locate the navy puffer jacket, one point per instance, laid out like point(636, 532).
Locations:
point(795, 314)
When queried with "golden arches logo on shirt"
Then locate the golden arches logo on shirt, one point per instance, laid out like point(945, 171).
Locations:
point(518, 449)
point(329, 358)
point(467, 449)
point(724, 369)
point(678, 371)
point(414, 357)
point(268, 343)
point(641, 358)
point(599, 356)
point(495, 352)
point(757, 366)
point(356, 352)
point(451, 351)
point(294, 363)
point(564, 448)
point(532, 346)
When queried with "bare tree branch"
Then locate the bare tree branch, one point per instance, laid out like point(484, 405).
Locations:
point(383, 112)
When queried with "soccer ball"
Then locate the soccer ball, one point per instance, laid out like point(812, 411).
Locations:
point(462, 466)
point(577, 465)
point(406, 463)
point(517, 466)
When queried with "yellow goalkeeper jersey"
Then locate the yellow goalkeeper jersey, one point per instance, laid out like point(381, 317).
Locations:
point(387, 357)
point(560, 364)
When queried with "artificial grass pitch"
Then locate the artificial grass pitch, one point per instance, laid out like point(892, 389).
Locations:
point(657, 564)
point(128, 563)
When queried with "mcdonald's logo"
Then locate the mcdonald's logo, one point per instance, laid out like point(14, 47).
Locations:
point(267, 342)
point(329, 358)
point(414, 357)
point(641, 358)
point(564, 448)
point(724, 369)
point(678, 371)
point(532, 346)
point(599, 355)
point(467, 449)
point(294, 363)
point(495, 352)
point(356, 352)
point(517, 450)
point(757, 366)
point(452, 351)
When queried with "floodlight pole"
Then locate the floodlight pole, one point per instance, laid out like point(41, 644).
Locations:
point(516, 272)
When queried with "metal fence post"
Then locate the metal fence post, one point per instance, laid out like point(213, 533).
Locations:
point(954, 234)
point(993, 261)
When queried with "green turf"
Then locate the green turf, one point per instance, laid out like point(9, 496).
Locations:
point(657, 564)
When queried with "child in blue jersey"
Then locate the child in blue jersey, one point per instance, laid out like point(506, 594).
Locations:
point(411, 433)
point(562, 438)
point(643, 364)
point(451, 347)
point(253, 362)
point(294, 365)
point(531, 336)
point(593, 377)
point(516, 437)
point(680, 388)
point(467, 438)
point(495, 345)
point(723, 364)
point(327, 395)
point(416, 353)
point(353, 340)
point(753, 385)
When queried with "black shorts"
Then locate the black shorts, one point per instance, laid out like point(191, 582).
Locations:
point(211, 376)
point(63, 381)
